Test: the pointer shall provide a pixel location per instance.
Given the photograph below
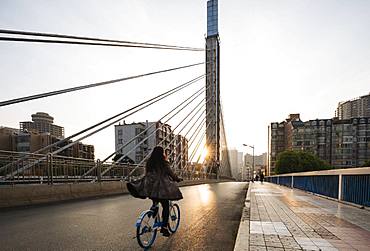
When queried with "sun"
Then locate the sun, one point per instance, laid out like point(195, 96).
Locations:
point(204, 154)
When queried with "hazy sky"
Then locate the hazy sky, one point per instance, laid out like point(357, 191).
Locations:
point(277, 57)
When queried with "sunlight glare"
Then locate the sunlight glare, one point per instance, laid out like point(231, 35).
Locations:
point(204, 193)
point(203, 155)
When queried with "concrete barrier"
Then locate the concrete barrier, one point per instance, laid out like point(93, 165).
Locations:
point(22, 195)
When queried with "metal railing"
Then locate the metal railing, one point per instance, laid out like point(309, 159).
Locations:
point(44, 168)
point(326, 185)
point(59, 169)
point(356, 189)
point(349, 185)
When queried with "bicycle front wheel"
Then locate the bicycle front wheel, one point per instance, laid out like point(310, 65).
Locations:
point(146, 231)
point(174, 219)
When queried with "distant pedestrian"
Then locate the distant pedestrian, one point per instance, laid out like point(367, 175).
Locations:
point(262, 177)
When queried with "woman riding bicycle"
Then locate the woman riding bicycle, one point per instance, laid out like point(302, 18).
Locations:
point(158, 184)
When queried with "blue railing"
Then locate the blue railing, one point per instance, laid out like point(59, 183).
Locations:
point(273, 179)
point(350, 185)
point(285, 181)
point(356, 189)
point(327, 185)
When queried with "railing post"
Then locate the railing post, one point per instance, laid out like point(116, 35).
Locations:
point(11, 169)
point(49, 163)
point(340, 187)
point(292, 185)
point(98, 174)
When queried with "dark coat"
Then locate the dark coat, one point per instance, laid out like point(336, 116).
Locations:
point(157, 184)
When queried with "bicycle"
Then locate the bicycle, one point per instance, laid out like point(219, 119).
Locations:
point(150, 221)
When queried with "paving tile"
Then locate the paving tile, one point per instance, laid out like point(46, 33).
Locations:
point(361, 247)
point(285, 219)
point(256, 236)
point(257, 248)
point(274, 244)
point(328, 249)
point(274, 249)
point(304, 240)
point(310, 248)
point(321, 242)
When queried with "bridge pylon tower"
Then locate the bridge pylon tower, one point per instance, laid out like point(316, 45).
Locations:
point(213, 88)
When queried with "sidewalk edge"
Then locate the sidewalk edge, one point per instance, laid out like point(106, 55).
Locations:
point(242, 238)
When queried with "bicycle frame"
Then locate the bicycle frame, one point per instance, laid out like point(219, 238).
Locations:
point(158, 223)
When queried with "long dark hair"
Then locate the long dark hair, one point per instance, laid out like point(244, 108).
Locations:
point(156, 159)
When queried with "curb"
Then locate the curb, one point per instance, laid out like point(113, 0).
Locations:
point(242, 238)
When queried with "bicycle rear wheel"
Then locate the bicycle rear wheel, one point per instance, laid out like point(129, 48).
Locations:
point(174, 219)
point(146, 231)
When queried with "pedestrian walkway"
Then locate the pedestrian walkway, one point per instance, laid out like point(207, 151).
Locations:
point(281, 218)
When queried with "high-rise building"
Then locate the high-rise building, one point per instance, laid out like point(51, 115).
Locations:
point(181, 152)
point(42, 123)
point(277, 142)
point(124, 145)
point(260, 164)
point(233, 155)
point(259, 160)
point(236, 162)
point(240, 159)
point(312, 136)
point(39, 133)
point(355, 108)
point(341, 143)
point(7, 138)
point(149, 135)
point(351, 142)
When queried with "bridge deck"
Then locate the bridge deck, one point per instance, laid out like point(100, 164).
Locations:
point(288, 219)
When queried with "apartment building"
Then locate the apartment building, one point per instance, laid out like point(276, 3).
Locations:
point(38, 134)
point(355, 108)
point(7, 138)
point(312, 136)
point(341, 143)
point(277, 142)
point(42, 123)
point(236, 162)
point(148, 135)
point(181, 152)
point(351, 142)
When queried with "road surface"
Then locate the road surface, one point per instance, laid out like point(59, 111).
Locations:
point(210, 220)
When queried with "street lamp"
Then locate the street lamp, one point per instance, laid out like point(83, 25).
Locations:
point(252, 160)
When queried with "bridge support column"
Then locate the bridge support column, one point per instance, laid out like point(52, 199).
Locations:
point(213, 89)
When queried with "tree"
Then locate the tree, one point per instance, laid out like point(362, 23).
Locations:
point(366, 164)
point(299, 161)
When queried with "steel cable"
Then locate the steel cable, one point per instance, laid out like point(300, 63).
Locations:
point(53, 35)
point(142, 161)
point(195, 133)
point(192, 97)
point(132, 110)
point(78, 88)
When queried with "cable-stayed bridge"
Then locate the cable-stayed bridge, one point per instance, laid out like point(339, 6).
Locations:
point(198, 118)
point(217, 215)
